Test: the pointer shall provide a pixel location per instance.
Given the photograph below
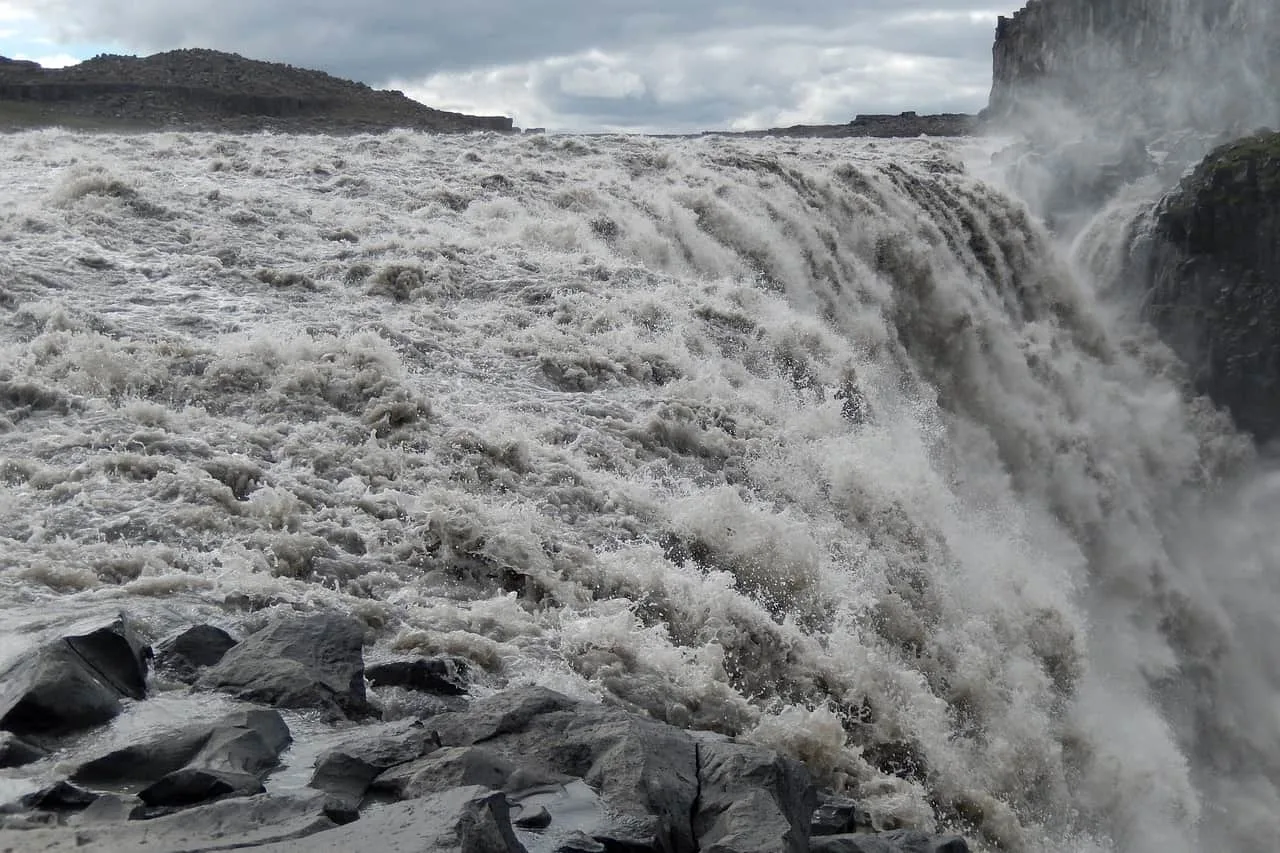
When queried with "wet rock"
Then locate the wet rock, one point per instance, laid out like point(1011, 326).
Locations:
point(1211, 259)
point(16, 752)
point(497, 183)
point(837, 816)
point(224, 759)
point(144, 762)
point(580, 842)
point(225, 825)
point(897, 841)
point(192, 785)
point(751, 800)
point(346, 771)
point(74, 682)
point(537, 818)
point(312, 662)
point(109, 808)
point(469, 819)
point(645, 772)
point(182, 657)
point(59, 797)
point(451, 767)
point(446, 676)
point(502, 713)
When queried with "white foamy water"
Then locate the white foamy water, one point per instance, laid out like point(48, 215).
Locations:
point(817, 443)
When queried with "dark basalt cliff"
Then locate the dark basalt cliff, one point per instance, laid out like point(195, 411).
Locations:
point(209, 90)
point(1154, 64)
point(1212, 258)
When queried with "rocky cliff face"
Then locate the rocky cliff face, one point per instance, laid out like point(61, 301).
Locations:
point(209, 90)
point(1154, 64)
point(1211, 254)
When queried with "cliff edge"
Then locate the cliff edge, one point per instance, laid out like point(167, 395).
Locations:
point(1209, 65)
point(210, 90)
point(1210, 259)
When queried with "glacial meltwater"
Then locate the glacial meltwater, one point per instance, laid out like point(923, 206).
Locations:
point(824, 444)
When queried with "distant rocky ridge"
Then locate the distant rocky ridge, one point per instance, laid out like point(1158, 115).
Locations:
point(906, 124)
point(210, 90)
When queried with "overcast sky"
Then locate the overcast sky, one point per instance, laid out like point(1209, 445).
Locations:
point(650, 65)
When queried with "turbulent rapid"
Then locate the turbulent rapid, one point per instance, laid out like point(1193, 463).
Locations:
point(823, 444)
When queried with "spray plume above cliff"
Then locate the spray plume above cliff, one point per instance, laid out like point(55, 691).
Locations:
point(1140, 65)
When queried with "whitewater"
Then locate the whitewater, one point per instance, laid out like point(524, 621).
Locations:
point(828, 445)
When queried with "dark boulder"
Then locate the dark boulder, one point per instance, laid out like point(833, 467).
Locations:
point(16, 752)
point(838, 816)
point(445, 676)
point(193, 785)
point(751, 800)
point(59, 797)
point(500, 714)
point(144, 762)
point(346, 771)
point(313, 662)
point(74, 682)
point(451, 767)
point(213, 761)
point(1212, 261)
point(182, 657)
point(644, 772)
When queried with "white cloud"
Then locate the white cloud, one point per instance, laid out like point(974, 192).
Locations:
point(53, 60)
point(582, 64)
point(13, 12)
point(739, 79)
point(601, 82)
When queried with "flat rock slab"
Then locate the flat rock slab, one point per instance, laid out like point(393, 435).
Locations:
point(470, 819)
point(312, 662)
point(896, 841)
point(225, 825)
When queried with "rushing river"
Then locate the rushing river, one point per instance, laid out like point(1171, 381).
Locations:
point(825, 444)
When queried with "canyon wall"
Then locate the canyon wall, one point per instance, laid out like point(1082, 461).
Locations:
point(1154, 64)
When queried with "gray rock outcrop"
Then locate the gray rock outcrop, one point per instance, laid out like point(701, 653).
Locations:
point(313, 662)
point(1211, 262)
point(210, 90)
point(74, 682)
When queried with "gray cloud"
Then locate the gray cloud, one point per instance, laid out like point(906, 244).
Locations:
point(608, 63)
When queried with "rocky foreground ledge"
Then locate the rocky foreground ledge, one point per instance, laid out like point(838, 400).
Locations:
point(211, 91)
point(526, 769)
